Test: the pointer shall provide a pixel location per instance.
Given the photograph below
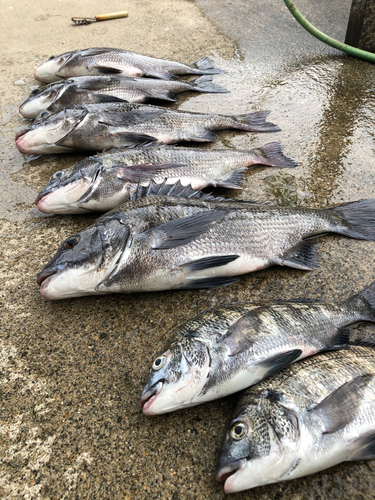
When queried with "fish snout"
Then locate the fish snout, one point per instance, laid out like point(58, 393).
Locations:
point(22, 142)
point(40, 203)
point(149, 396)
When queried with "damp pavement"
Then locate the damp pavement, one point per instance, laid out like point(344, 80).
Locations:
point(71, 372)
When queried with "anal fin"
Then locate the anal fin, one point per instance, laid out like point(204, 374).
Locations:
point(363, 447)
point(303, 257)
point(204, 136)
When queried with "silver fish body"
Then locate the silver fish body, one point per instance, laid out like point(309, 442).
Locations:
point(102, 182)
point(96, 127)
point(110, 88)
point(163, 243)
point(314, 414)
point(229, 348)
point(99, 61)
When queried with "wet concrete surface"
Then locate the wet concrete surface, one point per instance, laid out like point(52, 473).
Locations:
point(71, 372)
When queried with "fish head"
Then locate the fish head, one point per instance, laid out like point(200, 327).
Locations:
point(84, 260)
point(176, 377)
point(46, 72)
point(48, 129)
point(260, 445)
point(40, 99)
point(67, 188)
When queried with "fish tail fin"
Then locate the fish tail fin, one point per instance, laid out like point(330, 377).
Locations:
point(205, 67)
point(271, 154)
point(204, 84)
point(254, 122)
point(356, 219)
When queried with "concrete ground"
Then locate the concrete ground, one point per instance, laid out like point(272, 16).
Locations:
point(71, 372)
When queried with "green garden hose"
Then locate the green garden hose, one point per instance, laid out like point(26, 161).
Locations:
point(352, 51)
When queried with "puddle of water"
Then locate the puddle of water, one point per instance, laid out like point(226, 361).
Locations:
point(325, 108)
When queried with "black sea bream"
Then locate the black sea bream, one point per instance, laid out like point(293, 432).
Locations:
point(103, 89)
point(105, 181)
point(314, 414)
point(96, 127)
point(229, 348)
point(163, 243)
point(99, 61)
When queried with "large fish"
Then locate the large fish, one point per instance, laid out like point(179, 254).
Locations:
point(314, 414)
point(103, 89)
point(232, 347)
point(99, 61)
point(96, 127)
point(163, 243)
point(105, 181)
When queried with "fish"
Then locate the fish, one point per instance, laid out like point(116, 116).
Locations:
point(109, 88)
point(229, 348)
point(313, 415)
point(164, 242)
point(103, 61)
point(102, 182)
point(98, 127)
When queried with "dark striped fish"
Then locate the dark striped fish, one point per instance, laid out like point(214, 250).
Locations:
point(314, 414)
point(229, 348)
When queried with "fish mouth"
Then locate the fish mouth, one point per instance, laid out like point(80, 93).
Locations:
point(41, 198)
point(43, 277)
point(230, 469)
point(22, 132)
point(149, 396)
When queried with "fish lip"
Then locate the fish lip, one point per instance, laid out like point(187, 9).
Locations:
point(42, 195)
point(22, 132)
point(150, 395)
point(47, 273)
point(228, 470)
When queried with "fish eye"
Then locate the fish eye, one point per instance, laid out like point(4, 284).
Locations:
point(57, 175)
point(71, 242)
point(52, 57)
point(44, 114)
point(238, 431)
point(159, 362)
point(35, 91)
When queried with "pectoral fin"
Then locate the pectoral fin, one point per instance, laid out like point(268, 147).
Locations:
point(242, 334)
point(279, 361)
point(184, 230)
point(143, 171)
point(339, 408)
point(208, 262)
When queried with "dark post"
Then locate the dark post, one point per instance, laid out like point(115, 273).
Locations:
point(361, 26)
